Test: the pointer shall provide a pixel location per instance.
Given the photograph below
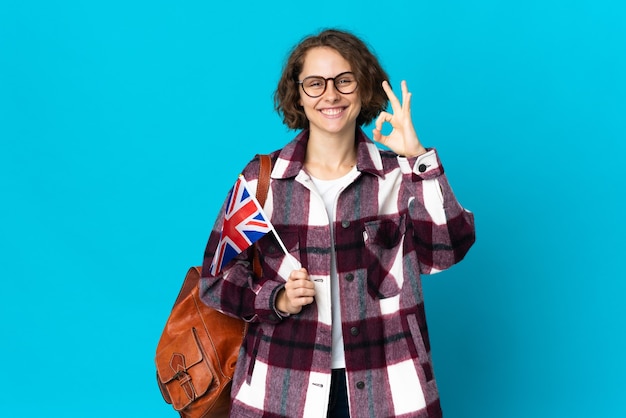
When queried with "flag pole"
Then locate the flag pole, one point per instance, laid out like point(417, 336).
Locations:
point(287, 255)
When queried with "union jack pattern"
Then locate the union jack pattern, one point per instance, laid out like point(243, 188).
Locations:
point(244, 224)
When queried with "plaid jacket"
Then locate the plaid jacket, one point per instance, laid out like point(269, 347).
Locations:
point(397, 219)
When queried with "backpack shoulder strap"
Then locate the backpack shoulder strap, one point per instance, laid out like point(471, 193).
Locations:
point(265, 169)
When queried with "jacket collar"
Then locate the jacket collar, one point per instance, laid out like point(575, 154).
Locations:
point(290, 159)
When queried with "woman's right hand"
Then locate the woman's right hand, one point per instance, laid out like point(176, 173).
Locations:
point(298, 292)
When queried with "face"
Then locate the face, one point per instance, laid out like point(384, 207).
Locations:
point(332, 113)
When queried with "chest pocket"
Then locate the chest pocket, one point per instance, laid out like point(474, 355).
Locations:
point(383, 249)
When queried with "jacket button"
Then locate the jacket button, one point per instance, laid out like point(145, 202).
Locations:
point(360, 385)
point(349, 277)
point(354, 331)
point(422, 168)
point(345, 224)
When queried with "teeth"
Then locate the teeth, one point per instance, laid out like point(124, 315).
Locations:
point(331, 112)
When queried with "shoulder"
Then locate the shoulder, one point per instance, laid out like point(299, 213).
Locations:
point(252, 168)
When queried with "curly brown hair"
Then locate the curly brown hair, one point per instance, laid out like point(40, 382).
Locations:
point(364, 64)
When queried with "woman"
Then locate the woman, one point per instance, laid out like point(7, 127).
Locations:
point(344, 334)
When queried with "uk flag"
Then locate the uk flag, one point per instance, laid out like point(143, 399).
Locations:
point(244, 224)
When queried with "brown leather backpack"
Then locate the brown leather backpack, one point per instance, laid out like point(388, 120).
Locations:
point(197, 352)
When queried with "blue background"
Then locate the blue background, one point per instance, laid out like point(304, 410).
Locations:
point(123, 124)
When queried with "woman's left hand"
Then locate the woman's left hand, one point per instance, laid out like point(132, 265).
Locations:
point(402, 139)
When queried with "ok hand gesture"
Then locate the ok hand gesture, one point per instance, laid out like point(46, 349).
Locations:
point(403, 139)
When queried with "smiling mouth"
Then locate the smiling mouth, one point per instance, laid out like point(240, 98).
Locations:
point(332, 112)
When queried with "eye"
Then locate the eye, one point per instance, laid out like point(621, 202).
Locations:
point(314, 83)
point(345, 80)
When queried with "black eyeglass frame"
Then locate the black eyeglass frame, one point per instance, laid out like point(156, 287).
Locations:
point(326, 80)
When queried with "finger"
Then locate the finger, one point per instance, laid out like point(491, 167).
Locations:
point(303, 287)
point(298, 274)
point(376, 135)
point(382, 118)
point(296, 296)
point(406, 97)
point(300, 302)
point(300, 286)
point(295, 287)
point(393, 99)
point(377, 131)
point(405, 91)
point(407, 103)
point(306, 292)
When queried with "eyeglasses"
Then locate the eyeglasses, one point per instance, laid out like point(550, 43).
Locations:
point(314, 86)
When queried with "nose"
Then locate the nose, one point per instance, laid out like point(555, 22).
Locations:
point(331, 93)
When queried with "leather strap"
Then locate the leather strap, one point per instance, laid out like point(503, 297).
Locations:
point(265, 169)
point(263, 184)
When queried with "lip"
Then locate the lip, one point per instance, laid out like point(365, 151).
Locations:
point(333, 112)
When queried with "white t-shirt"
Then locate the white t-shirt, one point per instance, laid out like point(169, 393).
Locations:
point(329, 190)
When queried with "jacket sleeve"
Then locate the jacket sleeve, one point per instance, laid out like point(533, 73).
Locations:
point(443, 231)
point(235, 290)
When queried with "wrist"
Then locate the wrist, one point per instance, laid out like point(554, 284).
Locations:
point(420, 150)
point(280, 304)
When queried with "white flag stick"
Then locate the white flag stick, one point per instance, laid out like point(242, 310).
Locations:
point(292, 259)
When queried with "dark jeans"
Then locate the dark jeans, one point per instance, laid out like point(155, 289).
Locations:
point(338, 403)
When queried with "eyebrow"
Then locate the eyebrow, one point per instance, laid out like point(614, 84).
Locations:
point(321, 76)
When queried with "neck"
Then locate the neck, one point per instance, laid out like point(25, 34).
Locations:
point(330, 156)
